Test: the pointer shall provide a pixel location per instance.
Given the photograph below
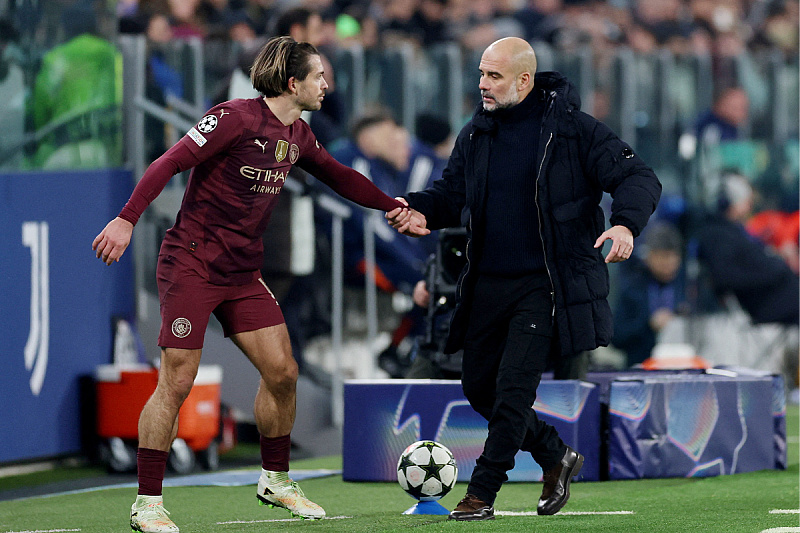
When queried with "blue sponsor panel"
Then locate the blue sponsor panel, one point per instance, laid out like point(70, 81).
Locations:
point(382, 417)
point(690, 426)
point(57, 301)
point(779, 422)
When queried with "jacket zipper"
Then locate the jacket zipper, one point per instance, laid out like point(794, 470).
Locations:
point(539, 212)
point(466, 271)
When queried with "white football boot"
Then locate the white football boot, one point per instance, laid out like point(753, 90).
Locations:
point(277, 490)
point(149, 516)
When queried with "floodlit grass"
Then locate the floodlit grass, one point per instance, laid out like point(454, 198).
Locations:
point(738, 503)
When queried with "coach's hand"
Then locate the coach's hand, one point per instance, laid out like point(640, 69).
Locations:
point(113, 240)
point(623, 243)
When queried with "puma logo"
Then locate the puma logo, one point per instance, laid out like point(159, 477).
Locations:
point(222, 113)
point(263, 146)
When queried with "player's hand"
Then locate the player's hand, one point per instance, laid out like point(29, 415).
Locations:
point(623, 243)
point(113, 240)
point(408, 221)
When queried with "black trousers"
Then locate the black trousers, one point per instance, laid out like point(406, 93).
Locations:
point(507, 347)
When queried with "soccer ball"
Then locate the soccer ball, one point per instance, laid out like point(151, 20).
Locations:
point(427, 470)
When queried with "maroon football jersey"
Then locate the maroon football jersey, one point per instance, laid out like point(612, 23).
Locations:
point(242, 155)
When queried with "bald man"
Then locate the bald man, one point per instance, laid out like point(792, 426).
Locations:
point(526, 177)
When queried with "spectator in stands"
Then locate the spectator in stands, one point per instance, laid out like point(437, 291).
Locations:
point(652, 292)
point(779, 28)
point(12, 94)
point(77, 95)
point(430, 151)
point(434, 133)
point(542, 20)
point(186, 20)
point(729, 112)
point(382, 150)
point(741, 265)
point(430, 18)
point(303, 24)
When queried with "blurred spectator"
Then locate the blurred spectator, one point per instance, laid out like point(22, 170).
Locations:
point(741, 265)
point(430, 151)
point(305, 25)
point(781, 232)
point(12, 94)
point(301, 24)
point(77, 96)
point(382, 150)
point(434, 132)
point(397, 22)
point(662, 18)
point(430, 18)
point(728, 113)
point(780, 27)
point(185, 19)
point(652, 292)
point(542, 20)
point(475, 25)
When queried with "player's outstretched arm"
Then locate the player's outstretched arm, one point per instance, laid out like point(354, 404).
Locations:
point(113, 240)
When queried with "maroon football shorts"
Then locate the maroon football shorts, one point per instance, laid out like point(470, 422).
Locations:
point(187, 301)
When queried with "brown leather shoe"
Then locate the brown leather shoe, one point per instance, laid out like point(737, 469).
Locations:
point(472, 508)
point(555, 492)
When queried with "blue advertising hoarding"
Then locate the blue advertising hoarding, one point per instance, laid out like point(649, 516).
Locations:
point(382, 417)
point(671, 426)
point(57, 302)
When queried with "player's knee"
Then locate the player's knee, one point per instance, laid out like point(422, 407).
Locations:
point(178, 388)
point(284, 380)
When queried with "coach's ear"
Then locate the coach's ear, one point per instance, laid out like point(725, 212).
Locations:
point(292, 85)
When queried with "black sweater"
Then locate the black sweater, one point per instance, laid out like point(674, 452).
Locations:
point(512, 244)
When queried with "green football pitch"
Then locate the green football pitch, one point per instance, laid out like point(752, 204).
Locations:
point(751, 502)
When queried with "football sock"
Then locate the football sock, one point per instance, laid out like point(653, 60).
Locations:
point(275, 453)
point(151, 465)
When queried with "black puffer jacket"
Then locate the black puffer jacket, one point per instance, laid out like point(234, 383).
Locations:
point(580, 158)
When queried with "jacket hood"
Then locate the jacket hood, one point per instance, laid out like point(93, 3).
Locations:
point(544, 83)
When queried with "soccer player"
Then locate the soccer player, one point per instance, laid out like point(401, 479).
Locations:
point(241, 153)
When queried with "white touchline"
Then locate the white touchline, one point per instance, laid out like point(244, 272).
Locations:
point(573, 513)
point(781, 530)
point(785, 511)
point(277, 520)
point(44, 531)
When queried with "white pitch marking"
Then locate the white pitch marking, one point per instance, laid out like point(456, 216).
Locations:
point(278, 520)
point(793, 439)
point(45, 531)
point(785, 511)
point(573, 513)
point(781, 530)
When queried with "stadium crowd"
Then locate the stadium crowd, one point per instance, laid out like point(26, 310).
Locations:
point(729, 32)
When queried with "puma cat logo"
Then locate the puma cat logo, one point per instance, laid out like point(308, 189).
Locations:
point(263, 146)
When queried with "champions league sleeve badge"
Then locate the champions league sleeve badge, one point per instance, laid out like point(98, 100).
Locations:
point(207, 123)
